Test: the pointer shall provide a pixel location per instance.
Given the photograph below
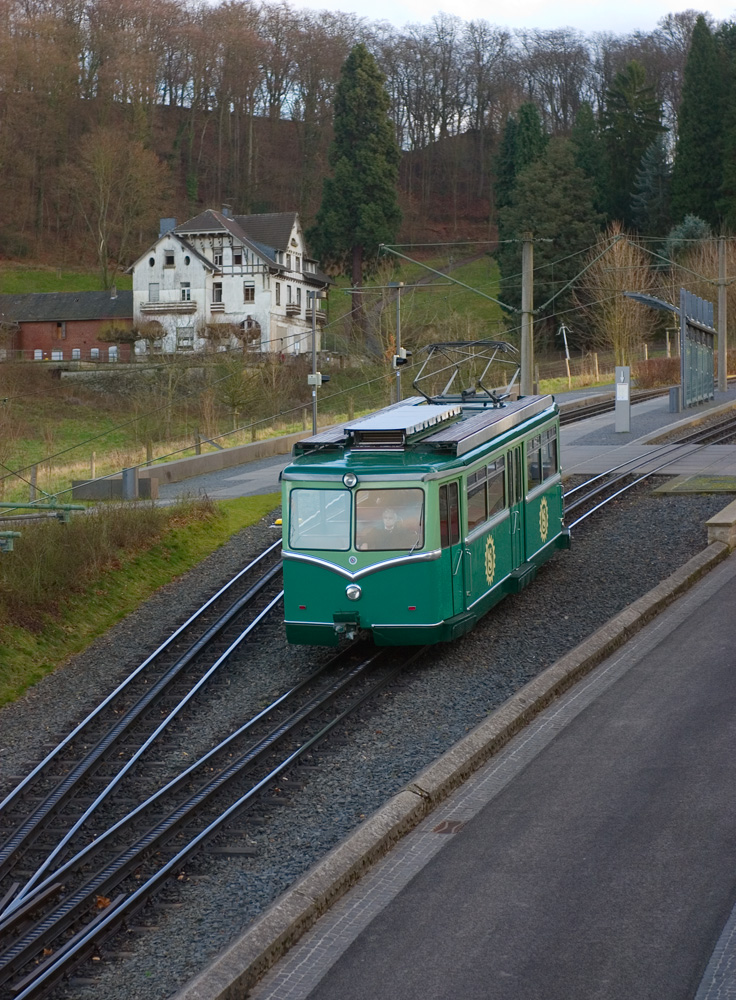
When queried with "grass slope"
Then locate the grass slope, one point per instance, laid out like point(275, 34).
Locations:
point(27, 655)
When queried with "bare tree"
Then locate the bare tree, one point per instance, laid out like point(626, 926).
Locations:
point(118, 186)
point(613, 320)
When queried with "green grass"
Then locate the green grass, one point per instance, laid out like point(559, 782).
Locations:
point(15, 280)
point(27, 655)
point(436, 310)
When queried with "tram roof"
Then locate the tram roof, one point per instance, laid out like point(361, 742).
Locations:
point(450, 428)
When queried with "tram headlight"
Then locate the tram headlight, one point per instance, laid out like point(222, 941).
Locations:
point(353, 592)
point(350, 479)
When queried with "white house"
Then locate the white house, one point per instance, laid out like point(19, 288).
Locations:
point(222, 279)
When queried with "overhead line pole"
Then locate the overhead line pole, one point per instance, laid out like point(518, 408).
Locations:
point(722, 336)
point(526, 386)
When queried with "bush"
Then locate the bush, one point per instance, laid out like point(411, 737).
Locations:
point(657, 372)
point(51, 559)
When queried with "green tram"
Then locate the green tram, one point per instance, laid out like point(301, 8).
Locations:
point(411, 523)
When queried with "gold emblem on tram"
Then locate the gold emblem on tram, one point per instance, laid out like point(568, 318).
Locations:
point(490, 559)
point(544, 519)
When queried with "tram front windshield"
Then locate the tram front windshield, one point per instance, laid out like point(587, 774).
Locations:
point(387, 520)
point(319, 519)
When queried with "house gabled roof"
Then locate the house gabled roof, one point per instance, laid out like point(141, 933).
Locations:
point(211, 221)
point(274, 228)
point(59, 307)
point(187, 246)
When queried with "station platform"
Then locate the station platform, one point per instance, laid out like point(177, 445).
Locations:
point(593, 857)
point(593, 446)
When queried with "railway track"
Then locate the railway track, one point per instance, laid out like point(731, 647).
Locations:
point(591, 495)
point(93, 877)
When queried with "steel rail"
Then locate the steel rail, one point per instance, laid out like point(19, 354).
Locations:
point(94, 847)
point(23, 893)
point(111, 874)
point(659, 452)
point(50, 972)
point(128, 680)
point(644, 461)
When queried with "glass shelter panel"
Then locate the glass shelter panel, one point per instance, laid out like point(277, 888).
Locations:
point(387, 520)
point(319, 519)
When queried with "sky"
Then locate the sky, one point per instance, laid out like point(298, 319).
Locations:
point(617, 16)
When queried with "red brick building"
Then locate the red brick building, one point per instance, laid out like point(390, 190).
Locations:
point(65, 326)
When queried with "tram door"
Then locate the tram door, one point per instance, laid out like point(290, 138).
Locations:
point(450, 540)
point(516, 505)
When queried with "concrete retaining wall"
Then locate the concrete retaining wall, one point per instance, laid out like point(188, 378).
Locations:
point(198, 465)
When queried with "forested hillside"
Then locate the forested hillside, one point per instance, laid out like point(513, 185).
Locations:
point(114, 113)
point(159, 109)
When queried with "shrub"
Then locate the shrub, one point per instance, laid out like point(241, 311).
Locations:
point(51, 560)
point(657, 372)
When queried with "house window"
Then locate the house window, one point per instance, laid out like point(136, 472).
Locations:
point(38, 355)
point(288, 295)
point(57, 355)
point(185, 338)
point(288, 261)
point(278, 293)
point(218, 258)
point(217, 291)
point(186, 291)
point(299, 297)
point(298, 264)
point(249, 292)
point(151, 261)
point(112, 353)
point(94, 353)
point(169, 258)
point(61, 331)
point(76, 354)
point(237, 259)
point(153, 293)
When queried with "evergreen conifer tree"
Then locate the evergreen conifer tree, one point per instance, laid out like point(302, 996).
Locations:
point(359, 207)
point(553, 199)
point(650, 205)
point(631, 121)
point(505, 165)
point(531, 139)
point(725, 39)
point(698, 170)
point(590, 153)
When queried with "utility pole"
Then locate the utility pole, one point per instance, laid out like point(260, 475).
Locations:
point(316, 378)
point(722, 345)
point(527, 316)
point(398, 285)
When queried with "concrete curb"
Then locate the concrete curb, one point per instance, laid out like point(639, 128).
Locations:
point(240, 966)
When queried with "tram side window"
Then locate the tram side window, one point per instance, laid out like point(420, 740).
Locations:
point(449, 515)
point(477, 498)
point(541, 457)
point(550, 463)
point(319, 519)
point(533, 464)
point(496, 490)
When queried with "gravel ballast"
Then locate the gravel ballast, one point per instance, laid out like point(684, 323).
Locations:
point(614, 560)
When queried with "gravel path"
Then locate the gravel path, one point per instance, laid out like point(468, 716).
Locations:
point(613, 561)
